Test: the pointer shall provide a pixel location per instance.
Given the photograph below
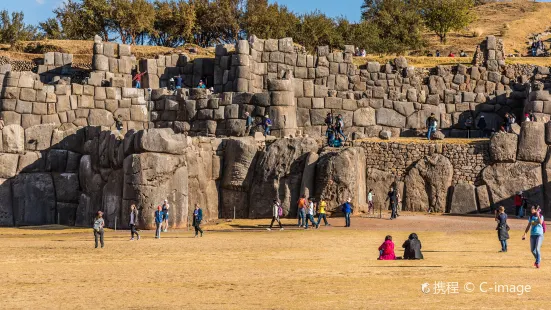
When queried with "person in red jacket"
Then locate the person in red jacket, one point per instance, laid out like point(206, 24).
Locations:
point(518, 204)
point(386, 250)
point(138, 79)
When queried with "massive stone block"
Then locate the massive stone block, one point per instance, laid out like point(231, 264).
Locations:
point(39, 137)
point(390, 118)
point(33, 199)
point(427, 184)
point(13, 139)
point(532, 146)
point(341, 175)
point(203, 189)
point(380, 182)
point(67, 187)
point(112, 199)
point(503, 147)
point(463, 199)
point(364, 117)
point(8, 165)
point(6, 209)
point(163, 141)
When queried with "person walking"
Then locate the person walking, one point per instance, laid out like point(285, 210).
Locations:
point(393, 199)
point(197, 218)
point(321, 212)
point(133, 222)
point(370, 205)
point(536, 228)
point(98, 229)
point(301, 210)
point(165, 208)
point(310, 213)
point(347, 210)
point(158, 222)
point(431, 123)
point(502, 228)
point(412, 247)
point(277, 211)
point(267, 125)
point(138, 79)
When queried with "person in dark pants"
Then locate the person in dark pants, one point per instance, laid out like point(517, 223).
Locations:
point(321, 211)
point(158, 222)
point(197, 218)
point(133, 222)
point(347, 210)
point(412, 247)
point(482, 125)
point(98, 229)
point(502, 228)
point(277, 211)
point(391, 196)
point(519, 200)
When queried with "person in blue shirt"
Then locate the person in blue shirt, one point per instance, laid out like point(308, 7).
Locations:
point(158, 222)
point(347, 210)
point(179, 82)
point(267, 125)
point(535, 226)
point(330, 134)
point(201, 85)
point(197, 218)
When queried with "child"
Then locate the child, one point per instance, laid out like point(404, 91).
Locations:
point(386, 250)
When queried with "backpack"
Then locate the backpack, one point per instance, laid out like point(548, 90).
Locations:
point(279, 210)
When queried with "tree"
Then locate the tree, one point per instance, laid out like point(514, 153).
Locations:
point(82, 20)
point(51, 29)
point(14, 29)
point(316, 29)
point(174, 23)
point(363, 35)
point(268, 20)
point(217, 21)
point(443, 16)
point(132, 18)
point(397, 22)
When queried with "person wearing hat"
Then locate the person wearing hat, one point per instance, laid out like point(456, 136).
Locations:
point(267, 125)
point(201, 85)
point(277, 211)
point(248, 123)
point(165, 208)
point(346, 208)
point(158, 222)
point(98, 228)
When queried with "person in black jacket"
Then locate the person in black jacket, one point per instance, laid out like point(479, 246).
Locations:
point(197, 218)
point(412, 247)
point(482, 125)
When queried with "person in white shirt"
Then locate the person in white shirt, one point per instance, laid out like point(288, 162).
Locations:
point(276, 211)
point(370, 207)
point(310, 213)
point(133, 222)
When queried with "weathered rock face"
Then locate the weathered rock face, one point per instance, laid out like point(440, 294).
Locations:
point(547, 183)
point(505, 179)
point(380, 182)
point(503, 147)
point(163, 141)
point(147, 179)
point(278, 174)
point(34, 199)
point(463, 199)
point(427, 184)
point(531, 146)
point(112, 199)
point(202, 184)
point(6, 209)
point(13, 139)
point(309, 175)
point(337, 181)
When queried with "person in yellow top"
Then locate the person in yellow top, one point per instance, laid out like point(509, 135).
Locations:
point(321, 212)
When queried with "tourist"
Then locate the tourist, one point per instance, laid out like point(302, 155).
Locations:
point(138, 79)
point(267, 125)
point(370, 206)
point(526, 117)
point(482, 125)
point(532, 116)
point(357, 52)
point(201, 85)
point(451, 54)
point(197, 218)
point(469, 125)
point(339, 126)
point(391, 197)
point(535, 226)
point(412, 247)
point(462, 54)
point(133, 222)
point(347, 210)
point(277, 211)
point(321, 213)
point(519, 201)
point(171, 84)
point(165, 208)
point(118, 124)
point(329, 120)
point(310, 213)
point(179, 82)
point(301, 210)
point(386, 250)
point(508, 123)
point(330, 134)
point(437, 53)
point(158, 222)
point(338, 142)
point(248, 123)
point(431, 123)
point(502, 228)
point(364, 53)
point(98, 228)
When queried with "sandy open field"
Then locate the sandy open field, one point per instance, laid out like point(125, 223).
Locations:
point(240, 265)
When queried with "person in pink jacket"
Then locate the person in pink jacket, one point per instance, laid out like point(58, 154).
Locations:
point(386, 250)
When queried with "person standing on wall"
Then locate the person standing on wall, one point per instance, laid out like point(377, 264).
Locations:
point(165, 208)
point(431, 123)
point(197, 218)
point(133, 222)
point(98, 229)
point(158, 222)
point(537, 229)
point(346, 208)
point(138, 79)
point(339, 127)
point(277, 211)
point(267, 125)
point(248, 123)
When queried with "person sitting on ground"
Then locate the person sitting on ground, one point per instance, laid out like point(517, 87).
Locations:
point(201, 85)
point(462, 54)
point(338, 142)
point(386, 250)
point(138, 79)
point(364, 53)
point(330, 134)
point(267, 125)
point(451, 54)
point(437, 53)
point(412, 247)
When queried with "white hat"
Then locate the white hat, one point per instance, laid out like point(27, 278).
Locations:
point(349, 200)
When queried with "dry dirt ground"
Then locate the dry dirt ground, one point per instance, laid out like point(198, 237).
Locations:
point(240, 265)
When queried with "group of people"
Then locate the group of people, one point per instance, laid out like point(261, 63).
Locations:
point(360, 53)
point(412, 248)
point(537, 48)
point(266, 124)
point(451, 54)
point(335, 130)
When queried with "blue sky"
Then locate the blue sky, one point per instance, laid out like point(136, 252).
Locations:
point(39, 10)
